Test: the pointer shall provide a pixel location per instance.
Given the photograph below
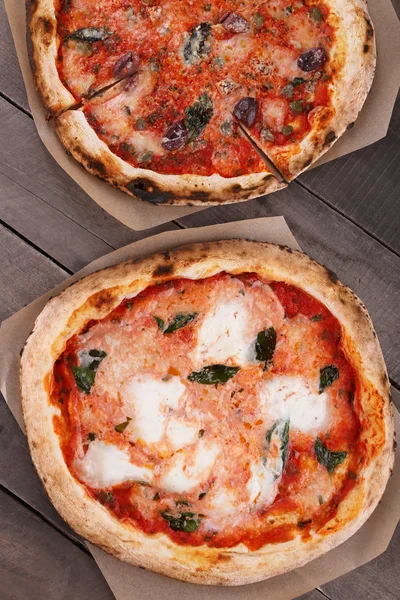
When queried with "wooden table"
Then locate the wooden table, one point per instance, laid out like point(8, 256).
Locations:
point(345, 214)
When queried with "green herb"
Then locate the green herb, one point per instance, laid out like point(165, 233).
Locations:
point(316, 14)
point(287, 90)
point(145, 157)
point(84, 48)
point(202, 495)
point(120, 428)
point(156, 496)
point(180, 321)
point(90, 34)
point(91, 436)
point(201, 433)
point(141, 124)
point(289, 9)
point(320, 499)
point(198, 115)
point(326, 458)
point(106, 497)
point(327, 375)
point(287, 129)
point(316, 318)
point(226, 128)
point(207, 7)
point(184, 502)
point(213, 374)
point(129, 305)
point(159, 322)
point(298, 81)
point(185, 522)
point(84, 378)
point(265, 345)
point(196, 46)
point(127, 110)
point(281, 428)
point(296, 106)
point(258, 20)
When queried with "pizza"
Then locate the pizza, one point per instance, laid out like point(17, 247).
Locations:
point(197, 102)
point(219, 413)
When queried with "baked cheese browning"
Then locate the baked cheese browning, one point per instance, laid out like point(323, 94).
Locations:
point(218, 411)
point(169, 118)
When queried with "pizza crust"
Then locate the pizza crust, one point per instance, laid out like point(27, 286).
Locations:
point(190, 190)
point(353, 58)
point(43, 47)
point(99, 293)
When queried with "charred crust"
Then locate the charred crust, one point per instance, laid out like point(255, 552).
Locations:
point(332, 275)
point(329, 138)
point(200, 196)
point(350, 125)
point(147, 190)
point(267, 177)
point(307, 163)
point(103, 299)
point(163, 270)
point(370, 29)
point(366, 48)
point(223, 557)
point(166, 255)
point(236, 188)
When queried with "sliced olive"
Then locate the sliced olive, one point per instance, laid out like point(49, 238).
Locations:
point(246, 110)
point(312, 59)
point(236, 23)
point(127, 65)
point(131, 82)
point(176, 136)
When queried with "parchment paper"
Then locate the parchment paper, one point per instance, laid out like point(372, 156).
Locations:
point(370, 126)
point(131, 583)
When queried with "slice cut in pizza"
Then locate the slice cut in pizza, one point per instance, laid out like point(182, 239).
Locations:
point(218, 413)
point(291, 78)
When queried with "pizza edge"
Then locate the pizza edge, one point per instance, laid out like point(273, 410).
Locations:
point(356, 43)
point(100, 293)
point(86, 147)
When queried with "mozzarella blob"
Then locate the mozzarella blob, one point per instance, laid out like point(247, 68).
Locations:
point(147, 400)
point(292, 399)
point(105, 464)
point(187, 470)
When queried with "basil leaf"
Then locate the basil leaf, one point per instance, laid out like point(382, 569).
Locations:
point(198, 115)
point(265, 345)
point(281, 428)
point(316, 14)
point(298, 81)
point(326, 458)
point(184, 522)
point(90, 34)
point(97, 354)
point(91, 436)
point(120, 428)
point(106, 497)
point(196, 46)
point(160, 323)
point(180, 321)
point(213, 374)
point(327, 375)
point(296, 106)
point(84, 378)
point(316, 318)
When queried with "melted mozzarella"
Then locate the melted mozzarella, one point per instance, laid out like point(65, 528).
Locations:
point(262, 485)
point(222, 335)
point(146, 401)
point(187, 470)
point(291, 398)
point(181, 434)
point(274, 112)
point(105, 464)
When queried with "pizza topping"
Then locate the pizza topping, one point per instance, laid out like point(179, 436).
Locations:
point(120, 428)
point(265, 345)
point(131, 82)
point(246, 110)
point(213, 374)
point(197, 46)
point(316, 14)
point(85, 373)
point(328, 459)
point(105, 465)
point(235, 23)
point(179, 321)
point(198, 115)
point(126, 65)
point(328, 375)
point(312, 59)
point(90, 34)
point(184, 522)
point(176, 136)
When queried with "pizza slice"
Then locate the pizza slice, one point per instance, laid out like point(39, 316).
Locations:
point(290, 75)
point(165, 133)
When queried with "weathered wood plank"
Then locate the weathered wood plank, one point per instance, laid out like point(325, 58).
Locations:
point(361, 262)
point(24, 275)
point(26, 163)
point(38, 562)
point(365, 185)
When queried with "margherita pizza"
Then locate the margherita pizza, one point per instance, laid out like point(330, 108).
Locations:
point(196, 102)
point(218, 413)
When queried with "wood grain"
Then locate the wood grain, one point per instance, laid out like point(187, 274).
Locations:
point(37, 562)
point(361, 262)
